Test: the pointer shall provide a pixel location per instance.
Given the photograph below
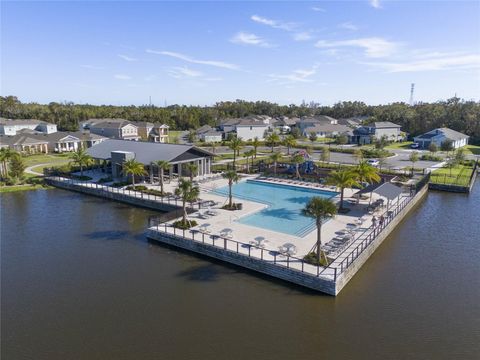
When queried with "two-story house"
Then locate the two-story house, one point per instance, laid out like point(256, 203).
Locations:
point(115, 129)
point(12, 127)
point(375, 131)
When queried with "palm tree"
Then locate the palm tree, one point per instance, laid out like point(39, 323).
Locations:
point(162, 166)
point(275, 157)
point(342, 179)
point(81, 158)
point(189, 193)
point(6, 155)
point(255, 143)
point(134, 168)
point(413, 158)
point(248, 154)
point(289, 142)
point(321, 209)
point(298, 159)
point(366, 173)
point(192, 169)
point(358, 154)
point(232, 177)
point(235, 145)
point(273, 139)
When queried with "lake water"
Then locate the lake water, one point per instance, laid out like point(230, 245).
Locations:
point(80, 281)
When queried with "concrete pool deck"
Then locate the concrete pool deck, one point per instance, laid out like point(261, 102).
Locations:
point(226, 219)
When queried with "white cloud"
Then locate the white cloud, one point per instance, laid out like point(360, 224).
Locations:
point(374, 47)
point(184, 72)
point(189, 59)
point(122, 77)
point(302, 36)
point(245, 38)
point(274, 23)
point(375, 4)
point(449, 62)
point(318, 9)
point(127, 58)
point(348, 26)
point(299, 75)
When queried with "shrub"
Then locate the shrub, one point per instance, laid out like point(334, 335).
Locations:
point(430, 157)
point(105, 180)
point(311, 258)
point(137, 188)
point(184, 225)
point(376, 153)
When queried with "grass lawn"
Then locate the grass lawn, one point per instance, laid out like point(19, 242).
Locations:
point(15, 188)
point(173, 134)
point(46, 158)
point(399, 145)
point(472, 149)
point(458, 175)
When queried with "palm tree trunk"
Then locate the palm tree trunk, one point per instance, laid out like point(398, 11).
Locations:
point(319, 239)
point(298, 173)
point(161, 181)
point(234, 158)
point(133, 181)
point(184, 205)
point(341, 198)
point(275, 168)
point(81, 170)
point(230, 194)
point(288, 150)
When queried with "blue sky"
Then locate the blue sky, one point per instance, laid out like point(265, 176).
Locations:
point(203, 52)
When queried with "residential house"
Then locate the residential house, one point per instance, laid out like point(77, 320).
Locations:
point(11, 127)
point(30, 141)
point(366, 134)
point(247, 128)
point(439, 136)
point(159, 133)
point(308, 122)
point(329, 130)
point(115, 129)
point(208, 134)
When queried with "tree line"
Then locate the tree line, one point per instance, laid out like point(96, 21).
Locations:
point(455, 113)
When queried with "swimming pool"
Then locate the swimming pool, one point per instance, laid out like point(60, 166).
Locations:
point(285, 204)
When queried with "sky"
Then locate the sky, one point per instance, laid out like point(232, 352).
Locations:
point(199, 53)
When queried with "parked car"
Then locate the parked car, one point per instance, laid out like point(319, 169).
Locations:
point(415, 146)
point(373, 162)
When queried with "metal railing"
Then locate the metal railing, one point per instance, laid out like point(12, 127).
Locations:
point(249, 250)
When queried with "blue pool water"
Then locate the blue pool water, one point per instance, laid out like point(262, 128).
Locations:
point(285, 204)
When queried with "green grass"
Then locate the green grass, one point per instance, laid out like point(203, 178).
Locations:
point(399, 145)
point(15, 188)
point(173, 134)
point(46, 158)
point(458, 175)
point(472, 149)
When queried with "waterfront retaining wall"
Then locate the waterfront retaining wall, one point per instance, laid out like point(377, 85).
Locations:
point(136, 201)
point(255, 264)
point(346, 275)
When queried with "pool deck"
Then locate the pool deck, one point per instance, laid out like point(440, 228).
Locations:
point(226, 219)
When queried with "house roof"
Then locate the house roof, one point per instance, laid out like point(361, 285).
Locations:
point(203, 129)
point(4, 121)
point(328, 128)
point(385, 124)
point(385, 189)
point(146, 152)
point(447, 132)
point(111, 124)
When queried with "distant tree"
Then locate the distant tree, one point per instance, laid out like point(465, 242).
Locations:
point(341, 139)
point(275, 158)
point(236, 145)
point(289, 142)
point(382, 142)
point(321, 209)
point(188, 193)
point(256, 143)
point(295, 132)
point(433, 148)
point(358, 154)
point(273, 139)
point(460, 155)
point(413, 158)
point(192, 136)
point(297, 159)
point(192, 170)
point(213, 145)
point(162, 166)
point(81, 158)
point(5, 156)
point(17, 166)
point(325, 154)
point(232, 177)
point(133, 168)
point(447, 146)
point(343, 179)
point(313, 136)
